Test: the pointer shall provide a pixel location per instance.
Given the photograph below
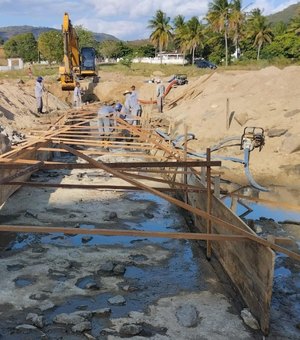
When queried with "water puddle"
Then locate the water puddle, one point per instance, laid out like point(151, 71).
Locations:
point(21, 282)
point(162, 217)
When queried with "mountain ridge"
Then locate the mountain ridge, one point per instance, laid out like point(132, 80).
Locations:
point(9, 31)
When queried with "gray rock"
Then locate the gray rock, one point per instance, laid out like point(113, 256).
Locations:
point(82, 326)
point(36, 320)
point(276, 132)
point(107, 267)
point(102, 312)
point(87, 314)
point(290, 144)
point(187, 316)
point(117, 300)
point(130, 329)
point(68, 319)
point(249, 319)
point(25, 327)
point(45, 305)
point(119, 269)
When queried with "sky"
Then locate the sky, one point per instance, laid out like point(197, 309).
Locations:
point(126, 20)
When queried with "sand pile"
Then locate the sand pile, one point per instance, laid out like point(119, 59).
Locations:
point(268, 98)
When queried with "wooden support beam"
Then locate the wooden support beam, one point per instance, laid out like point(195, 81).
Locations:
point(120, 232)
point(91, 186)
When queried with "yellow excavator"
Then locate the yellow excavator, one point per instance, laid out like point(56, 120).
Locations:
point(76, 64)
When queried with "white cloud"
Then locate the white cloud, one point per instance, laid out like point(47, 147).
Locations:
point(125, 19)
point(122, 29)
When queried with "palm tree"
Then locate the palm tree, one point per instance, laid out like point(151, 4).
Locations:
point(161, 34)
point(259, 30)
point(194, 35)
point(180, 34)
point(218, 18)
point(236, 22)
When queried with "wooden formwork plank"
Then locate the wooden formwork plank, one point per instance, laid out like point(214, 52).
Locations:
point(92, 186)
point(119, 232)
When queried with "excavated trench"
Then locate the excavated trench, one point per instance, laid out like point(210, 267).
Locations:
point(60, 286)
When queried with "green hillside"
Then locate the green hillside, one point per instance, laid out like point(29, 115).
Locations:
point(286, 15)
point(10, 31)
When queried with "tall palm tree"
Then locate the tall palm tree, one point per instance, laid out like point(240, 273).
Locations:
point(236, 22)
point(161, 31)
point(259, 30)
point(180, 34)
point(194, 35)
point(218, 18)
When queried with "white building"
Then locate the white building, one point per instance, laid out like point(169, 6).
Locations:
point(165, 58)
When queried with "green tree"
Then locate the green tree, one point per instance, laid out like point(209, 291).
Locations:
point(194, 35)
point(259, 30)
point(161, 31)
point(22, 46)
point(218, 19)
point(145, 51)
point(286, 45)
point(115, 49)
point(85, 37)
point(50, 45)
point(10, 48)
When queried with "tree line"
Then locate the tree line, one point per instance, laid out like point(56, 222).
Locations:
point(227, 29)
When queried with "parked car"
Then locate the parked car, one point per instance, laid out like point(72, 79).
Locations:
point(202, 63)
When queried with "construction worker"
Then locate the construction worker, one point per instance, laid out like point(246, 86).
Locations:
point(77, 96)
point(160, 91)
point(135, 107)
point(39, 90)
point(106, 115)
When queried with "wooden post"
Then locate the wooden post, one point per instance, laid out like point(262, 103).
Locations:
point(209, 200)
point(227, 113)
point(185, 168)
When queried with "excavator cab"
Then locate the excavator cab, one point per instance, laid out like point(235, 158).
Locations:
point(88, 64)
